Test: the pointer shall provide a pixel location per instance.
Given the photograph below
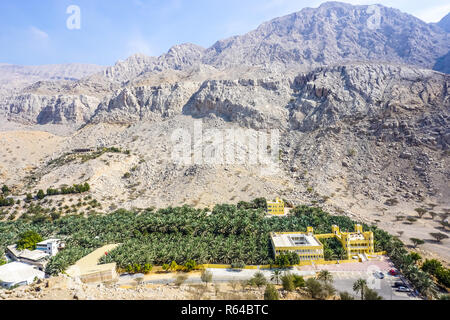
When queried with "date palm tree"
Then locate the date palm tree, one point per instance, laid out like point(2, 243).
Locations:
point(360, 286)
point(276, 276)
point(325, 276)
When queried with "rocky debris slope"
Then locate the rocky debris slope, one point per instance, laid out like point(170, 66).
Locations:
point(64, 288)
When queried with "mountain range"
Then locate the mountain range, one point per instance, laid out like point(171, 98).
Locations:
point(333, 34)
point(364, 119)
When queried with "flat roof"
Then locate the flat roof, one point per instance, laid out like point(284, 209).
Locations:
point(287, 240)
point(34, 255)
point(48, 241)
point(356, 236)
point(16, 272)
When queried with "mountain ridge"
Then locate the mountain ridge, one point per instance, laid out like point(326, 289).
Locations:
point(333, 34)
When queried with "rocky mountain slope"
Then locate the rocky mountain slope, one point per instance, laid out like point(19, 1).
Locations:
point(333, 34)
point(445, 23)
point(363, 120)
point(16, 77)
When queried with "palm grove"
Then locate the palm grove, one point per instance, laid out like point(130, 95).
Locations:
point(184, 235)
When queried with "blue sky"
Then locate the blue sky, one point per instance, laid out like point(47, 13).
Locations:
point(34, 32)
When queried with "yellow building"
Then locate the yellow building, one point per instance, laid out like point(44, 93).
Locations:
point(305, 244)
point(275, 208)
point(355, 243)
point(309, 248)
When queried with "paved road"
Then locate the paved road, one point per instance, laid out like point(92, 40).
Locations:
point(343, 281)
point(219, 275)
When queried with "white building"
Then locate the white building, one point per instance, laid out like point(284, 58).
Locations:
point(50, 246)
point(18, 274)
point(36, 258)
point(39, 257)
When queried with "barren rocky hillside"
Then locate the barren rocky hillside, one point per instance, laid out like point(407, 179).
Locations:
point(363, 121)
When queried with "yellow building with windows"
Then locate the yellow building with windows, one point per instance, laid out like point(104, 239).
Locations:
point(305, 244)
point(309, 248)
point(275, 208)
point(355, 243)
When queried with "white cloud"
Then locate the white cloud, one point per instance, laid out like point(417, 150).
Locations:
point(38, 33)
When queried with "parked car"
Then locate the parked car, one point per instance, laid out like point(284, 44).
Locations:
point(399, 284)
point(403, 289)
point(393, 272)
point(379, 275)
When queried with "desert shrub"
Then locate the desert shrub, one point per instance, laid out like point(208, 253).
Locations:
point(258, 280)
point(346, 296)
point(314, 288)
point(271, 293)
point(288, 282)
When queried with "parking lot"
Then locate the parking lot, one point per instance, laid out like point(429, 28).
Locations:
point(343, 281)
point(346, 274)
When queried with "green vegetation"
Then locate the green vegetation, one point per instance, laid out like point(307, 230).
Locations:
point(66, 258)
point(288, 282)
point(190, 265)
point(439, 236)
point(276, 276)
point(5, 190)
point(333, 250)
point(40, 195)
point(286, 260)
point(366, 293)
point(417, 242)
point(259, 203)
point(258, 280)
point(346, 296)
point(28, 198)
point(325, 276)
point(437, 270)
point(188, 236)
point(360, 286)
point(415, 256)
point(206, 276)
point(83, 157)
point(370, 294)
point(75, 189)
point(180, 279)
point(6, 202)
point(28, 240)
point(314, 288)
point(271, 293)
point(237, 265)
point(299, 282)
